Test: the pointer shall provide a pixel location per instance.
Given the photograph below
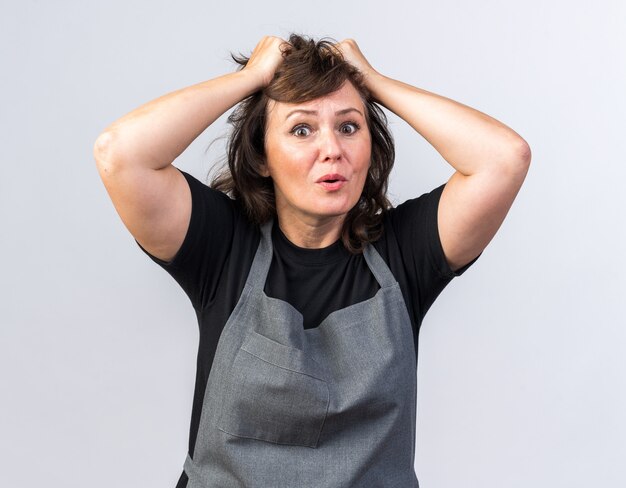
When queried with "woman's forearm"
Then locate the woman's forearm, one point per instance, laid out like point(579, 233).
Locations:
point(156, 133)
point(469, 140)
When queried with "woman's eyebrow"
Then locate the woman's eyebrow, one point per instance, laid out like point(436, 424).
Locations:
point(314, 112)
point(301, 111)
point(348, 110)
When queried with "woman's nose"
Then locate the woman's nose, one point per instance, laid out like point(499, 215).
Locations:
point(330, 146)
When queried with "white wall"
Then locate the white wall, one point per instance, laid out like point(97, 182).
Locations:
point(521, 367)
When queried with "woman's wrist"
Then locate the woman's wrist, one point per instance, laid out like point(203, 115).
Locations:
point(375, 82)
point(252, 81)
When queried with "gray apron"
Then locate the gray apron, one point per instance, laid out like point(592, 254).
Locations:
point(328, 407)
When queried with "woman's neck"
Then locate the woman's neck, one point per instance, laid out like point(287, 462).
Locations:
point(312, 233)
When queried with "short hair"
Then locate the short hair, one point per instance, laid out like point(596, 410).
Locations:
point(310, 69)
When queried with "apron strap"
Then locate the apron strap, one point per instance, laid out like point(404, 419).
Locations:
point(378, 267)
point(262, 258)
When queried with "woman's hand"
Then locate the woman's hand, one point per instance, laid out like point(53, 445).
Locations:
point(351, 53)
point(266, 57)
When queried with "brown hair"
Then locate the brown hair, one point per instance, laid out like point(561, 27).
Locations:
point(309, 70)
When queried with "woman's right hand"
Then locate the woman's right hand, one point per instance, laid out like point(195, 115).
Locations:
point(265, 59)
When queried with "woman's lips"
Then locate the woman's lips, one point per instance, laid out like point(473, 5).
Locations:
point(332, 181)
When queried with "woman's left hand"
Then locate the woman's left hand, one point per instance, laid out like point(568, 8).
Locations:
point(351, 53)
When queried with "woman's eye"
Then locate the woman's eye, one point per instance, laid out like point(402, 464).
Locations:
point(350, 127)
point(301, 130)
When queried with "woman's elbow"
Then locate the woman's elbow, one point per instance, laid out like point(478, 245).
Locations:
point(523, 152)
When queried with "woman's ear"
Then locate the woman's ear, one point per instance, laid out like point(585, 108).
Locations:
point(264, 170)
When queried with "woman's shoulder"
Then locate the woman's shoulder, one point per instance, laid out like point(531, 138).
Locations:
point(220, 243)
point(205, 191)
point(216, 221)
point(416, 205)
point(216, 204)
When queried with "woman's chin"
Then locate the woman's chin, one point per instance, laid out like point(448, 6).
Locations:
point(332, 210)
point(334, 207)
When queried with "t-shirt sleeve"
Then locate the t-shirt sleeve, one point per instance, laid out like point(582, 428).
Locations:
point(416, 228)
point(195, 267)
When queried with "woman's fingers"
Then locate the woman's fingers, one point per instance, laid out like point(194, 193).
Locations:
point(266, 57)
point(351, 53)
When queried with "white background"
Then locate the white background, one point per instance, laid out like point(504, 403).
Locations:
point(521, 373)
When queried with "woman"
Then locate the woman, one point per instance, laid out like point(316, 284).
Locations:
point(309, 288)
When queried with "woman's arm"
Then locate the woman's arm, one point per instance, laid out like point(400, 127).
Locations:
point(134, 154)
point(491, 160)
point(156, 133)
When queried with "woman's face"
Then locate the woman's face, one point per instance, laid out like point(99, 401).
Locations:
point(318, 155)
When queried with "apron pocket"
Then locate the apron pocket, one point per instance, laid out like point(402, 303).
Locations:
point(274, 393)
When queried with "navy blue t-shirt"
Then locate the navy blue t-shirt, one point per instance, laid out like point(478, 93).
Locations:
point(213, 262)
